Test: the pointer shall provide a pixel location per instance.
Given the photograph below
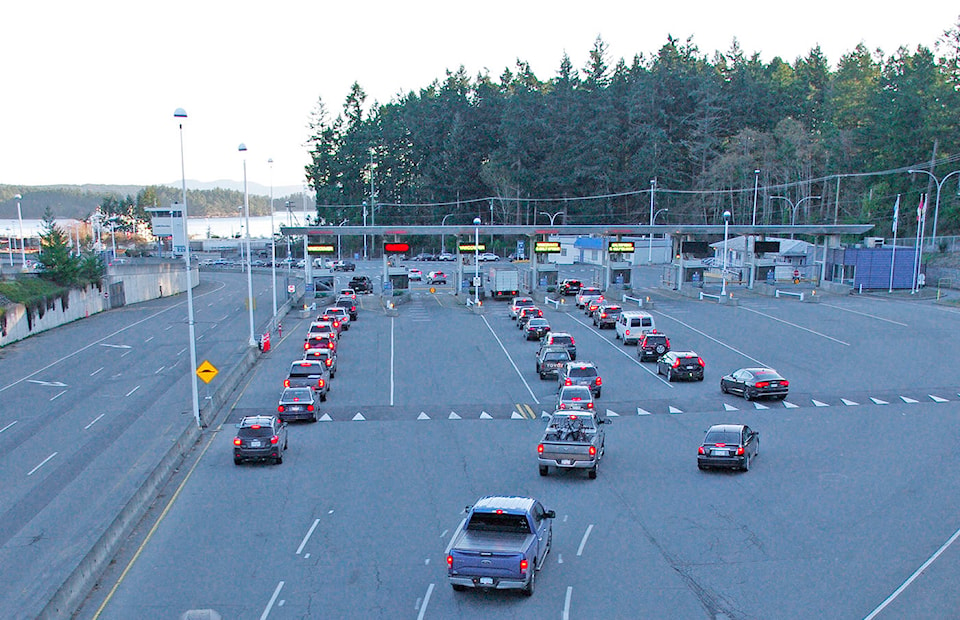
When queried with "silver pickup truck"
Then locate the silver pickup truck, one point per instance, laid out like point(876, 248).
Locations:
point(572, 440)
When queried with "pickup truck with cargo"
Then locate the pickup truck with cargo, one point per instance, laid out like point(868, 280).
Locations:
point(572, 440)
point(501, 545)
point(309, 373)
point(504, 282)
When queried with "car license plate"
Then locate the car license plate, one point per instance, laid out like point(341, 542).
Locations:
point(721, 453)
point(486, 581)
point(254, 444)
point(566, 461)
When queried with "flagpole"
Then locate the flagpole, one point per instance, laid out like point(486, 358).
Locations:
point(893, 256)
point(917, 248)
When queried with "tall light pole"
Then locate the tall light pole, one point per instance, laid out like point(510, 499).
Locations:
point(246, 216)
point(723, 274)
point(653, 190)
point(443, 247)
point(23, 251)
point(794, 207)
point(476, 262)
point(756, 186)
point(552, 216)
point(180, 113)
point(936, 210)
point(10, 245)
point(273, 244)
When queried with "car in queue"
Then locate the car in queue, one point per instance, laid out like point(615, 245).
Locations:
point(536, 328)
point(260, 438)
point(574, 397)
point(501, 545)
point(730, 446)
point(527, 313)
point(550, 360)
point(347, 292)
point(320, 341)
point(587, 294)
point(350, 305)
point(520, 302)
point(327, 356)
point(652, 346)
point(560, 339)
point(361, 284)
point(415, 275)
point(581, 373)
point(606, 315)
point(752, 383)
point(344, 265)
point(570, 286)
point(572, 440)
point(592, 305)
point(341, 313)
point(436, 277)
point(332, 322)
point(311, 373)
point(633, 324)
point(321, 328)
point(681, 365)
point(297, 403)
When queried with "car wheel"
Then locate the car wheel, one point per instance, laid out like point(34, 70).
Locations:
point(723, 387)
point(598, 394)
point(544, 470)
point(592, 474)
point(543, 376)
point(746, 463)
point(333, 374)
point(323, 397)
point(700, 378)
point(237, 461)
point(701, 466)
point(746, 394)
point(314, 418)
point(278, 460)
point(458, 587)
point(528, 591)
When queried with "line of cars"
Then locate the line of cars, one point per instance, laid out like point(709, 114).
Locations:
point(265, 437)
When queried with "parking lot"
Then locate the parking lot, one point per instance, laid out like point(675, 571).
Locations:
point(854, 490)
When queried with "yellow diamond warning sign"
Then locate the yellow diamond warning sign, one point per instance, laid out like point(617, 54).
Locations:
point(207, 371)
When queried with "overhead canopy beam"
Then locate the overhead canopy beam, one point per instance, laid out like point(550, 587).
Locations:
point(603, 230)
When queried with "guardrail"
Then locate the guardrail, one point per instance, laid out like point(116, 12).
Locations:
point(555, 302)
point(710, 296)
point(797, 294)
point(640, 301)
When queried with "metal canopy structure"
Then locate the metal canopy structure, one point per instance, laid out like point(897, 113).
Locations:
point(602, 230)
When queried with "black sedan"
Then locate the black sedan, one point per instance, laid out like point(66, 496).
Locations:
point(536, 328)
point(728, 445)
point(755, 383)
point(681, 365)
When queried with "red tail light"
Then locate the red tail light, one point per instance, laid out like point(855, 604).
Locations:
point(603, 315)
point(523, 565)
point(626, 332)
point(784, 383)
point(274, 440)
point(668, 343)
point(700, 361)
point(577, 398)
point(328, 362)
point(255, 426)
point(309, 407)
point(280, 408)
point(599, 381)
point(563, 405)
point(593, 451)
point(236, 441)
point(449, 560)
point(572, 341)
point(306, 345)
point(676, 363)
point(589, 405)
point(700, 450)
point(740, 451)
point(762, 384)
point(331, 345)
point(540, 449)
point(321, 383)
point(286, 383)
point(567, 382)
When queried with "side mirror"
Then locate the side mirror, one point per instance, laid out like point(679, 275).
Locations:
point(549, 514)
point(466, 509)
point(607, 421)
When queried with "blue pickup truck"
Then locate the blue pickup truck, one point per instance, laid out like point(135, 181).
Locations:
point(501, 544)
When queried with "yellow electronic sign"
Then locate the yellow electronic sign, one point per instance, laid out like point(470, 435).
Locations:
point(320, 248)
point(470, 247)
point(620, 247)
point(546, 247)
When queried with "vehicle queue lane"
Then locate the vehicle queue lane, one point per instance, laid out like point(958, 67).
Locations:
point(87, 452)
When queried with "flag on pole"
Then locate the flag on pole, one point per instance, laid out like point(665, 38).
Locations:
point(896, 214)
point(920, 209)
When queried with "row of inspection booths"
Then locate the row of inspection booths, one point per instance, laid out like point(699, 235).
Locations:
point(688, 253)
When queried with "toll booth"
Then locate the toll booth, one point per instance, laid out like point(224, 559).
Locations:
point(619, 274)
point(687, 272)
point(766, 271)
point(547, 276)
point(399, 281)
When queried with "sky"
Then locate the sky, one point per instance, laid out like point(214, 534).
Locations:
point(88, 89)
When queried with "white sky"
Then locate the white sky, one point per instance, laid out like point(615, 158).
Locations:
point(89, 88)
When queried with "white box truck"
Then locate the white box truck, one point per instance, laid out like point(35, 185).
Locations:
point(504, 282)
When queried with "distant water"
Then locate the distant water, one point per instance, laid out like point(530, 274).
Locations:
point(199, 227)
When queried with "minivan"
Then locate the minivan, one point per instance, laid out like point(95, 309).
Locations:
point(633, 324)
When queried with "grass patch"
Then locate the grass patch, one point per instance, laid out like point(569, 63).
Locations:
point(27, 290)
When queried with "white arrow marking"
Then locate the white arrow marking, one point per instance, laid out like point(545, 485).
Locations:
point(877, 401)
point(937, 399)
point(612, 414)
point(848, 403)
point(908, 400)
point(359, 417)
point(817, 403)
point(675, 409)
point(453, 416)
point(117, 346)
point(729, 407)
point(326, 418)
point(485, 416)
point(423, 416)
point(759, 406)
point(642, 411)
point(544, 414)
point(790, 405)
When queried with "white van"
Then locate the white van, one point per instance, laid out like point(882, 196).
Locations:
point(633, 324)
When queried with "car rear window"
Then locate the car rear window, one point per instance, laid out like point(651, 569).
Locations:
point(298, 370)
point(728, 437)
point(290, 394)
point(583, 372)
point(553, 356)
point(561, 339)
point(492, 522)
point(250, 431)
point(656, 339)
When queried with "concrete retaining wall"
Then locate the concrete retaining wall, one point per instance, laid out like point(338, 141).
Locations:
point(145, 282)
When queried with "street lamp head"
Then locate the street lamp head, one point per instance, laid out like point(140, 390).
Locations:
point(242, 148)
point(726, 216)
point(179, 113)
point(270, 161)
point(17, 196)
point(757, 171)
point(476, 221)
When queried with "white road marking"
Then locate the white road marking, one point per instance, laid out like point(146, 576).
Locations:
point(916, 573)
point(446, 551)
point(675, 409)
point(709, 337)
point(426, 601)
point(96, 371)
point(566, 603)
point(94, 421)
point(423, 416)
point(148, 339)
point(273, 599)
point(909, 400)
point(326, 418)
point(806, 329)
point(872, 316)
point(115, 346)
point(759, 406)
point(59, 395)
point(42, 463)
point(359, 417)
point(485, 416)
point(618, 349)
point(126, 353)
point(303, 543)
point(181, 351)
point(612, 414)
point(938, 399)
point(728, 407)
point(516, 416)
point(817, 403)
point(877, 401)
point(8, 426)
point(133, 390)
point(453, 416)
point(583, 541)
point(47, 383)
point(392, 342)
point(159, 370)
point(519, 374)
point(789, 405)
point(641, 411)
point(848, 403)
point(168, 327)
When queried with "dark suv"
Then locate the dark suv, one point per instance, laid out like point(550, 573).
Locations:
point(350, 305)
point(581, 373)
point(569, 287)
point(607, 315)
point(652, 345)
point(260, 437)
point(361, 284)
point(550, 360)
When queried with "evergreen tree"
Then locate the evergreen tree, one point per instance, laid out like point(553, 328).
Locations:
point(59, 265)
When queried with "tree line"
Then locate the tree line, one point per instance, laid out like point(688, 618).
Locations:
point(800, 140)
